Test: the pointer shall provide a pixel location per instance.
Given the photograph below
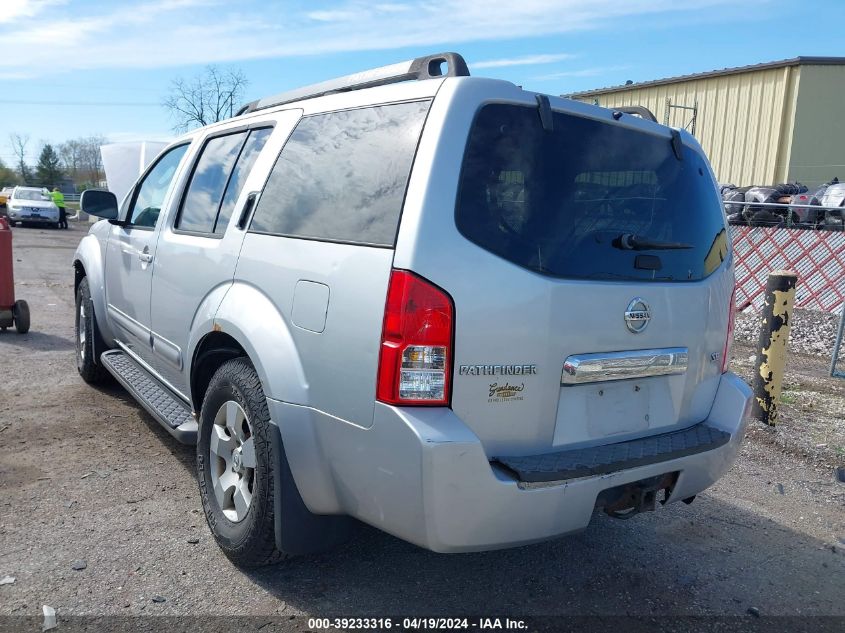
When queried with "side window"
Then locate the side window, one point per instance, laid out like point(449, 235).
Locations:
point(252, 148)
point(217, 180)
point(149, 195)
point(342, 176)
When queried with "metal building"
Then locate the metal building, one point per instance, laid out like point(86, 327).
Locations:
point(762, 124)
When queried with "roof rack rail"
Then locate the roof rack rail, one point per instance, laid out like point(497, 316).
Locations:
point(426, 67)
point(638, 110)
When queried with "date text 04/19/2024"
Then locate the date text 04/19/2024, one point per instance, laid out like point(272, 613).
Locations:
point(417, 624)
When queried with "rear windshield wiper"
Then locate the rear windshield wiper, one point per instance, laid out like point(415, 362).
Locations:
point(633, 242)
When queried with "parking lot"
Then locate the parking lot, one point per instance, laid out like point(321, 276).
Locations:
point(89, 480)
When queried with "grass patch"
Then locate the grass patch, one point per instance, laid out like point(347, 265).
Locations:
point(788, 397)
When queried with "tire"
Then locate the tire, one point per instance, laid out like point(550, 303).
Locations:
point(20, 313)
point(235, 411)
point(88, 340)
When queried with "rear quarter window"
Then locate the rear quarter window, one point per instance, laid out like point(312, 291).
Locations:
point(558, 202)
point(342, 176)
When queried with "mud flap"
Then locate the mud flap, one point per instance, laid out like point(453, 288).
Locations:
point(298, 530)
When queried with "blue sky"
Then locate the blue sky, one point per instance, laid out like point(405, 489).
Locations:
point(72, 68)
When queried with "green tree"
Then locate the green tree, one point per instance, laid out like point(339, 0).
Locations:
point(48, 171)
point(8, 176)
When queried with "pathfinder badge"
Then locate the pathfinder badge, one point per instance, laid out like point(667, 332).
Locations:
point(497, 370)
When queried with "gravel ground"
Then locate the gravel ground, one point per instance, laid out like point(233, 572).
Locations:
point(100, 516)
point(811, 332)
point(812, 404)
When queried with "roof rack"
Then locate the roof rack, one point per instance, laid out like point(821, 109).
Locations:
point(426, 67)
point(640, 111)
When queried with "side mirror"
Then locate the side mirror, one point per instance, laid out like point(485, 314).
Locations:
point(102, 204)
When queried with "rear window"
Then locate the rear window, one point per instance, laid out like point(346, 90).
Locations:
point(217, 180)
point(342, 176)
point(588, 200)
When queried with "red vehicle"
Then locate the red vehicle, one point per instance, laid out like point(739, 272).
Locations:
point(11, 312)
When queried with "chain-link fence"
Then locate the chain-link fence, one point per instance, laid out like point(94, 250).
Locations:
point(817, 256)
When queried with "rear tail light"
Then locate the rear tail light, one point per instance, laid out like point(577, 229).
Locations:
point(729, 339)
point(415, 359)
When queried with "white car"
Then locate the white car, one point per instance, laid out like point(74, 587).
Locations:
point(32, 205)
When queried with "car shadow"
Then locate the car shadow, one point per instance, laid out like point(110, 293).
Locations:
point(708, 558)
point(185, 454)
point(711, 557)
point(38, 341)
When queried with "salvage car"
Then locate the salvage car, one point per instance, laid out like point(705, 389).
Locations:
point(467, 314)
point(31, 205)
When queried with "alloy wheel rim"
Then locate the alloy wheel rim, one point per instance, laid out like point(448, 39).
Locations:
point(82, 334)
point(232, 461)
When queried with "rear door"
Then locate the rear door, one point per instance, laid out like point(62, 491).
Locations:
point(321, 242)
point(131, 250)
point(586, 239)
point(199, 245)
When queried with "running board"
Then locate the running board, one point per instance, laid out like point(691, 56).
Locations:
point(167, 408)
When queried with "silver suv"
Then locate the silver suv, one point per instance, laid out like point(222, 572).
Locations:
point(464, 313)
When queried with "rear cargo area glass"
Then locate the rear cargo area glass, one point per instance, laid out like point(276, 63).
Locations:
point(557, 202)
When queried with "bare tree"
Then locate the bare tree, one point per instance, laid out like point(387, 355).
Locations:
point(19, 143)
point(70, 153)
point(91, 159)
point(206, 98)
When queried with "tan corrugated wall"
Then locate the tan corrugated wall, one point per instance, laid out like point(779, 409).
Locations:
point(744, 121)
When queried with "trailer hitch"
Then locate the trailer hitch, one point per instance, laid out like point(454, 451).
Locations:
point(627, 500)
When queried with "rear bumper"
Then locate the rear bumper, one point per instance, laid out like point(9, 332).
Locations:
point(423, 476)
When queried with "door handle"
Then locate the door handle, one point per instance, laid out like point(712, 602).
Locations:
point(145, 255)
point(248, 205)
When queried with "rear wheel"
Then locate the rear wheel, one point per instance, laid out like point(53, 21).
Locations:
point(87, 337)
point(236, 463)
point(20, 313)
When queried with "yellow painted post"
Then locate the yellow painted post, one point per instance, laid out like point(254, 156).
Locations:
point(774, 335)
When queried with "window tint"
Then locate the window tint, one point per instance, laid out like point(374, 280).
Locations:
point(202, 198)
point(150, 193)
point(342, 176)
point(558, 202)
point(251, 150)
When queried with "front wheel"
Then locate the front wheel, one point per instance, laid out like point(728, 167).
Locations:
point(87, 335)
point(235, 465)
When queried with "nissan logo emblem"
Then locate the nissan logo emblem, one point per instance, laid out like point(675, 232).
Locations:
point(637, 315)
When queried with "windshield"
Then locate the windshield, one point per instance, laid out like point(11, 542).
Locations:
point(590, 199)
point(28, 194)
